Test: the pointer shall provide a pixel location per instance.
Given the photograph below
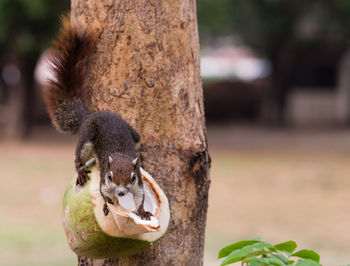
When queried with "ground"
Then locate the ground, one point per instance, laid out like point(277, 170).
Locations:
point(276, 184)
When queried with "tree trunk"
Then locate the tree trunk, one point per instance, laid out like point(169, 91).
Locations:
point(146, 68)
point(12, 124)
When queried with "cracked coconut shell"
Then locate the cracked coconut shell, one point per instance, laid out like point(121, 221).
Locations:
point(121, 233)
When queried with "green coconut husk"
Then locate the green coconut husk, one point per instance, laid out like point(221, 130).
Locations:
point(83, 223)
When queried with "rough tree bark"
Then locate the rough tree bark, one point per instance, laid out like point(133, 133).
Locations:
point(146, 68)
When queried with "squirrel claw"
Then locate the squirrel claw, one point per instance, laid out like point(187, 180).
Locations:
point(105, 206)
point(105, 209)
point(145, 215)
point(110, 201)
point(82, 175)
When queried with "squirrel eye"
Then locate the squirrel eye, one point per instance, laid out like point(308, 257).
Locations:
point(110, 174)
point(133, 177)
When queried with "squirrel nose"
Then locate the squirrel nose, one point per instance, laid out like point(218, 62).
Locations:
point(121, 191)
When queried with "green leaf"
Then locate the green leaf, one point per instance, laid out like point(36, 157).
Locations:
point(228, 249)
point(280, 257)
point(307, 262)
point(254, 263)
point(276, 261)
point(307, 254)
point(265, 261)
point(238, 254)
point(288, 246)
point(260, 261)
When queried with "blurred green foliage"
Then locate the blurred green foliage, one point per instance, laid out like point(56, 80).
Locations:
point(263, 23)
point(27, 26)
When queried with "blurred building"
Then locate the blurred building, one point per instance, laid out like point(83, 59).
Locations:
point(237, 84)
point(234, 81)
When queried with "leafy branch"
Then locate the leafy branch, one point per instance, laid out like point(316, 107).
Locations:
point(259, 253)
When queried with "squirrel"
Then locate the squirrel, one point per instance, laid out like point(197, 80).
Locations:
point(103, 135)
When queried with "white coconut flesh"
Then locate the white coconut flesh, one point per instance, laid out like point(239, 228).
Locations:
point(122, 220)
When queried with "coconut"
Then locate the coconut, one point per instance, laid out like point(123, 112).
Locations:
point(122, 232)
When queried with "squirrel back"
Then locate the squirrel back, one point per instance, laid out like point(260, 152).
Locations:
point(66, 92)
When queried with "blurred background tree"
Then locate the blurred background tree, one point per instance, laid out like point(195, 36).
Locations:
point(303, 40)
point(26, 30)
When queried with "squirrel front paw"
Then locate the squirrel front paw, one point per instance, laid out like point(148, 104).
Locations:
point(83, 175)
point(105, 209)
point(105, 206)
point(144, 215)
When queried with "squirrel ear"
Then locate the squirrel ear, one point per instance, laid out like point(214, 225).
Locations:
point(134, 162)
point(110, 160)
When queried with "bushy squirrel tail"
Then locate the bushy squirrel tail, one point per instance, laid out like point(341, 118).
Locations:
point(66, 91)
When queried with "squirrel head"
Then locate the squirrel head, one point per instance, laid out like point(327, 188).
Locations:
point(122, 176)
